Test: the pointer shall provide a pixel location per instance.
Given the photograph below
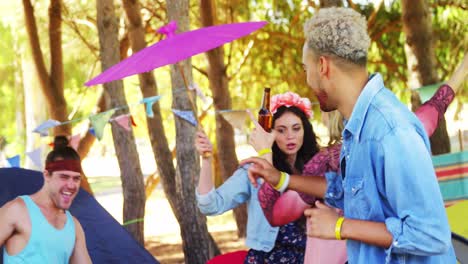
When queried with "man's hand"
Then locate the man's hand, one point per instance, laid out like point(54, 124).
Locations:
point(262, 169)
point(322, 220)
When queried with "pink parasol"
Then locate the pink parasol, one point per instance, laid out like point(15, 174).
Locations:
point(174, 48)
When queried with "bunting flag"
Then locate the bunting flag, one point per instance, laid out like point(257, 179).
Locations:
point(43, 129)
point(235, 117)
point(91, 130)
point(99, 121)
point(14, 161)
point(75, 141)
point(186, 115)
point(149, 101)
point(123, 121)
point(35, 157)
point(426, 92)
point(199, 92)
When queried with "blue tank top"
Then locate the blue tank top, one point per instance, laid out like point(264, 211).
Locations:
point(46, 243)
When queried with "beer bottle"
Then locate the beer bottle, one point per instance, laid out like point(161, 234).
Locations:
point(265, 117)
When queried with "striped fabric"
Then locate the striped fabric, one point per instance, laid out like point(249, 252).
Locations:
point(452, 174)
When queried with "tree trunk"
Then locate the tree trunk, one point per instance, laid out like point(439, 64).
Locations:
point(51, 85)
point(197, 245)
point(34, 110)
point(124, 142)
point(421, 61)
point(330, 3)
point(88, 140)
point(148, 86)
point(222, 101)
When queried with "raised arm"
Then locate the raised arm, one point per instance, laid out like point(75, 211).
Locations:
point(434, 109)
point(459, 75)
point(203, 144)
point(234, 191)
point(80, 252)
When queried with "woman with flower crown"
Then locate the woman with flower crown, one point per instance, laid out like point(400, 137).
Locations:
point(281, 208)
point(295, 143)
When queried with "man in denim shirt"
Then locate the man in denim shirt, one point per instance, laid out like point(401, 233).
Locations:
point(387, 188)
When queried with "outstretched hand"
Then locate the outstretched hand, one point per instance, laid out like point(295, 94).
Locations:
point(261, 168)
point(259, 138)
point(322, 220)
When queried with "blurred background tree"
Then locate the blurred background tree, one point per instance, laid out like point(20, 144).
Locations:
point(233, 76)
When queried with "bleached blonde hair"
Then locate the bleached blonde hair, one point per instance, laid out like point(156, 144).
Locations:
point(338, 31)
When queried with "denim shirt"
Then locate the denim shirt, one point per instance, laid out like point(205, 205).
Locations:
point(233, 192)
point(389, 178)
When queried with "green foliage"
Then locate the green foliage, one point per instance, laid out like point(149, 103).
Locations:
point(271, 57)
point(10, 70)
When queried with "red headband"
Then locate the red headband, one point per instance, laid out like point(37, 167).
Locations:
point(70, 165)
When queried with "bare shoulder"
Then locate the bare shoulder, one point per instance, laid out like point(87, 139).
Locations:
point(14, 208)
point(78, 226)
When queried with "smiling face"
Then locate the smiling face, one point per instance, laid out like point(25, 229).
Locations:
point(289, 133)
point(62, 186)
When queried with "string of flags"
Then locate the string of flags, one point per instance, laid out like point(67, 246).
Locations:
point(100, 120)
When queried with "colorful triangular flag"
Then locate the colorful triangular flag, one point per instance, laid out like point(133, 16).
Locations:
point(426, 92)
point(99, 121)
point(149, 101)
point(235, 117)
point(35, 156)
point(186, 115)
point(43, 129)
point(199, 92)
point(14, 161)
point(75, 141)
point(123, 121)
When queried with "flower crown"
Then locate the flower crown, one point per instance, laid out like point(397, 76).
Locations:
point(289, 99)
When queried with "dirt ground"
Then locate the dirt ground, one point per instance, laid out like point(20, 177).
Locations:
point(162, 229)
point(171, 253)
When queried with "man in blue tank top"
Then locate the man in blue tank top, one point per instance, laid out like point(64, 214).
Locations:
point(38, 228)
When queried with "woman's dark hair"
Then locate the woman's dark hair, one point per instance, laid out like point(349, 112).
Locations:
point(62, 151)
point(309, 146)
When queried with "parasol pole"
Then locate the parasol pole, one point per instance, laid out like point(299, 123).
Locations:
point(192, 104)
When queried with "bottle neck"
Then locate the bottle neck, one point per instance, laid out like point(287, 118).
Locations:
point(266, 100)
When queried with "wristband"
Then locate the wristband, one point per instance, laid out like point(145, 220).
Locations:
point(264, 151)
point(338, 225)
point(283, 182)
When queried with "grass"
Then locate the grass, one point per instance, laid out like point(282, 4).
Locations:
point(104, 183)
point(457, 214)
